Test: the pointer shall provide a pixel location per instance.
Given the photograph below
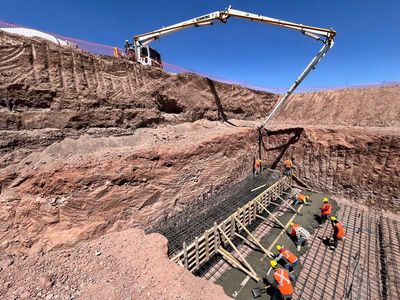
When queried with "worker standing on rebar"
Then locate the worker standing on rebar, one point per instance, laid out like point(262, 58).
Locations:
point(288, 165)
point(282, 282)
point(301, 199)
point(300, 234)
point(290, 259)
point(326, 211)
point(339, 233)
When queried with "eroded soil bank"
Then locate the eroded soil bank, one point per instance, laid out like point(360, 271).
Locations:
point(361, 164)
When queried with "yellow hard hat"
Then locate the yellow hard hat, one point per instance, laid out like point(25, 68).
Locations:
point(326, 200)
point(274, 263)
point(333, 218)
point(307, 197)
point(279, 247)
point(291, 224)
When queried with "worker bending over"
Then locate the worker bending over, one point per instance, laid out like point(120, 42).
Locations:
point(288, 165)
point(300, 234)
point(290, 259)
point(301, 199)
point(339, 233)
point(326, 210)
point(282, 282)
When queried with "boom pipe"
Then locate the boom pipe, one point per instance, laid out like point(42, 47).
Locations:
point(146, 38)
point(329, 33)
point(311, 66)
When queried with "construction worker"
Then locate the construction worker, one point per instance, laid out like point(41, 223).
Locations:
point(288, 165)
point(290, 259)
point(257, 166)
point(300, 234)
point(326, 210)
point(339, 233)
point(301, 199)
point(281, 280)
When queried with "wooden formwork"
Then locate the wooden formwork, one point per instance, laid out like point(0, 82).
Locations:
point(214, 239)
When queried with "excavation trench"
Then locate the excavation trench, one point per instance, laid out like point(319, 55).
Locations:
point(333, 160)
point(189, 225)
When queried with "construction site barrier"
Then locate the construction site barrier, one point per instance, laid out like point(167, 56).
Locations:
point(215, 239)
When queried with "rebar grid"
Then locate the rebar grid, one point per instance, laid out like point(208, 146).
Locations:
point(390, 242)
point(364, 266)
point(202, 215)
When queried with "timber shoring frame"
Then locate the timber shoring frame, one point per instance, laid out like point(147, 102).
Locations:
point(214, 239)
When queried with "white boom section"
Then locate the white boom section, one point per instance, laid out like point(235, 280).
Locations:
point(311, 66)
point(320, 34)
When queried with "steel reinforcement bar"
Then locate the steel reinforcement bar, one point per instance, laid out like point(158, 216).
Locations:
point(214, 239)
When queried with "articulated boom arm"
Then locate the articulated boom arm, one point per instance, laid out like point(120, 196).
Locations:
point(223, 16)
point(326, 36)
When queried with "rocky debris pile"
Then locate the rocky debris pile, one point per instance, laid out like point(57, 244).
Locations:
point(124, 265)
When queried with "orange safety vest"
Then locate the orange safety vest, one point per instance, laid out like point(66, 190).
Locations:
point(301, 197)
point(341, 232)
point(288, 163)
point(258, 163)
point(284, 284)
point(326, 209)
point(290, 257)
point(294, 228)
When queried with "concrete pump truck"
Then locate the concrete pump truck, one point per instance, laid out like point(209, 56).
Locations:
point(140, 52)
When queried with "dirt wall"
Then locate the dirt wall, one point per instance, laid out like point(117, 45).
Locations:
point(80, 188)
point(363, 107)
point(43, 85)
point(360, 164)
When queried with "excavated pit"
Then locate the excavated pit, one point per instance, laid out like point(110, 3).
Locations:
point(92, 146)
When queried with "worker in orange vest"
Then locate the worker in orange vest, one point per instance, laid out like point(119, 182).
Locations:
point(326, 210)
point(290, 259)
point(300, 234)
point(301, 199)
point(281, 280)
point(339, 233)
point(257, 166)
point(288, 165)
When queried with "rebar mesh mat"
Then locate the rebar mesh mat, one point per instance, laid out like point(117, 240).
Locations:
point(200, 216)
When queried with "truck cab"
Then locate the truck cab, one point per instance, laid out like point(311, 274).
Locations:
point(148, 56)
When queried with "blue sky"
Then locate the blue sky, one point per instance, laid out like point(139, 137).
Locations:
point(367, 46)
